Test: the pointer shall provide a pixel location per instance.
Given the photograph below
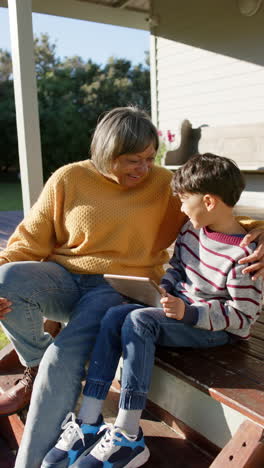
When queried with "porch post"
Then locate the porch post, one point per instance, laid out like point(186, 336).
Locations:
point(27, 116)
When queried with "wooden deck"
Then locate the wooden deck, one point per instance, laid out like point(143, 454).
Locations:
point(8, 221)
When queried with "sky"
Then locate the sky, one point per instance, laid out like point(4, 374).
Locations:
point(89, 40)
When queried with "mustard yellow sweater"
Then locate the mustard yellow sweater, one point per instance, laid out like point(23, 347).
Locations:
point(90, 224)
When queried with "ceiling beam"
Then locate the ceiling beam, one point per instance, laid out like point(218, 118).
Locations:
point(121, 3)
point(87, 11)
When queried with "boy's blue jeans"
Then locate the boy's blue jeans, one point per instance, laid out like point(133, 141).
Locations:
point(46, 288)
point(134, 332)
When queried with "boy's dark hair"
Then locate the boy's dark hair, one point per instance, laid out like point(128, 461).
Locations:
point(208, 173)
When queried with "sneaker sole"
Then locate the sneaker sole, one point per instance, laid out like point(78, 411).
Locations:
point(139, 460)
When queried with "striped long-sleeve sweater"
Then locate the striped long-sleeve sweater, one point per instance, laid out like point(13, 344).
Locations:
point(205, 273)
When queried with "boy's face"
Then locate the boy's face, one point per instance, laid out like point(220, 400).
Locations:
point(194, 206)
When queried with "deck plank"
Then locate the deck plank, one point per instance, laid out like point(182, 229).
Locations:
point(8, 222)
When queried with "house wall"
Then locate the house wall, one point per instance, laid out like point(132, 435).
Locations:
point(206, 87)
point(208, 67)
point(210, 63)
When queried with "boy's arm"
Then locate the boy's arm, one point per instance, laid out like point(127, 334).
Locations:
point(238, 312)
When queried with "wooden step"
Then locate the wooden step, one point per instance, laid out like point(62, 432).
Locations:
point(11, 427)
point(244, 450)
point(168, 448)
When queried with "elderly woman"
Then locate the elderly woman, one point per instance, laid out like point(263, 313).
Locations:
point(114, 214)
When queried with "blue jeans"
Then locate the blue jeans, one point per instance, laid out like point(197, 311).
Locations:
point(134, 332)
point(46, 288)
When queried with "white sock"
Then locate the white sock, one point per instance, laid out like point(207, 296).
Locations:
point(90, 410)
point(128, 420)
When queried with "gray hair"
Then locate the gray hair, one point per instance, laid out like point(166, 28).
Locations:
point(123, 130)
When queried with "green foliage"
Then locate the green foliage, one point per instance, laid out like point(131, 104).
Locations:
point(9, 150)
point(5, 65)
point(161, 153)
point(71, 95)
point(10, 196)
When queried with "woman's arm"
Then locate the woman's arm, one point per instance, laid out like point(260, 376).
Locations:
point(34, 238)
point(257, 257)
point(255, 229)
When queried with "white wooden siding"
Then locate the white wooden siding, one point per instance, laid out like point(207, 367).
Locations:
point(206, 87)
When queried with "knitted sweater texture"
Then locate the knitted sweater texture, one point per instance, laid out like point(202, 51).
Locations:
point(92, 225)
point(205, 273)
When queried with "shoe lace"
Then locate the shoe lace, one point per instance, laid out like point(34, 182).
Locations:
point(28, 377)
point(111, 436)
point(70, 429)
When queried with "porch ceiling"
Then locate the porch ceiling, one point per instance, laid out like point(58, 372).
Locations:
point(126, 13)
point(133, 5)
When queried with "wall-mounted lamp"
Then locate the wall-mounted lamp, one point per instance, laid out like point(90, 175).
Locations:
point(249, 7)
point(153, 21)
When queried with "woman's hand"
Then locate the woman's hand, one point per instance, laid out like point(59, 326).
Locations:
point(257, 256)
point(173, 307)
point(4, 307)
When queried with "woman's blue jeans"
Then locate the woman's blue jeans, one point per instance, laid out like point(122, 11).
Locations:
point(134, 332)
point(39, 289)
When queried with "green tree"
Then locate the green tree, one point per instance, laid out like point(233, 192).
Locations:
point(9, 148)
point(5, 65)
point(9, 151)
point(71, 95)
point(45, 58)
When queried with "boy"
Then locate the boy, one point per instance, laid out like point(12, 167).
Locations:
point(208, 302)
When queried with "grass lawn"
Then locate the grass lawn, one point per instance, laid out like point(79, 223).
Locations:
point(3, 339)
point(10, 196)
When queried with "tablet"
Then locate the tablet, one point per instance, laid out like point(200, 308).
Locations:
point(138, 288)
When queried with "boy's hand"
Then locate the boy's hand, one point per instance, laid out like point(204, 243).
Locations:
point(173, 307)
point(4, 307)
point(257, 256)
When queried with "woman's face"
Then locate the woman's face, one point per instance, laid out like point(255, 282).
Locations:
point(131, 169)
